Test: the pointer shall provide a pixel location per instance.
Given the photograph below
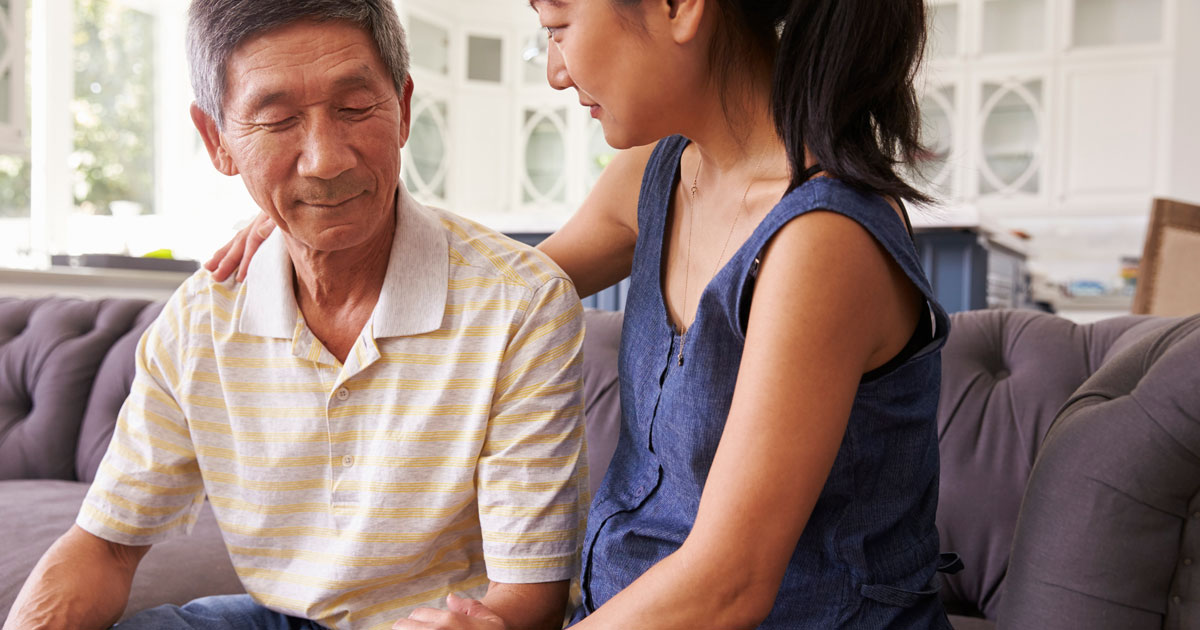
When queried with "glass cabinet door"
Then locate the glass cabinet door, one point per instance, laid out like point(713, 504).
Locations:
point(934, 169)
point(1010, 138)
point(427, 150)
point(545, 156)
point(599, 154)
point(429, 45)
point(942, 22)
point(534, 52)
point(1116, 22)
point(1013, 26)
point(484, 58)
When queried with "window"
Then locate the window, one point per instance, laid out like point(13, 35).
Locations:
point(113, 109)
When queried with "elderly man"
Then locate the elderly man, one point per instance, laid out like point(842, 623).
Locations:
point(385, 412)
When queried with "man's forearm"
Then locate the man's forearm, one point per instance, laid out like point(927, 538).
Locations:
point(81, 582)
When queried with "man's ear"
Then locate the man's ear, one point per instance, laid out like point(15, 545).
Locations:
point(212, 141)
point(683, 17)
point(406, 111)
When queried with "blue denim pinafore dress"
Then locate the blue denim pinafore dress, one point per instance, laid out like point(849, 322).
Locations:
point(869, 555)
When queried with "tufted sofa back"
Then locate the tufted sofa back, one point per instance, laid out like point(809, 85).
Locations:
point(65, 369)
point(1005, 376)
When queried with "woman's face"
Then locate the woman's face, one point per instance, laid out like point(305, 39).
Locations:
point(631, 78)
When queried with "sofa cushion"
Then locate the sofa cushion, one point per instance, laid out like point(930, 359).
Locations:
point(1109, 533)
point(111, 387)
point(1005, 374)
point(50, 351)
point(33, 514)
point(601, 390)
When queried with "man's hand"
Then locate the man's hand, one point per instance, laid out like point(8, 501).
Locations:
point(461, 614)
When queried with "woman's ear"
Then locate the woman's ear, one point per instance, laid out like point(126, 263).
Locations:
point(685, 17)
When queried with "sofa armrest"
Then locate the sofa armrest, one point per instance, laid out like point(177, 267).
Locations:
point(1109, 529)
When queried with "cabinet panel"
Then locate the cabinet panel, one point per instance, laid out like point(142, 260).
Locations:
point(1111, 118)
point(483, 125)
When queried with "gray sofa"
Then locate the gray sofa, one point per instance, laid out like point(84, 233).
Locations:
point(1088, 517)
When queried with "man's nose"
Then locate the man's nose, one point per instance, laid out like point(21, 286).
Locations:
point(556, 70)
point(326, 152)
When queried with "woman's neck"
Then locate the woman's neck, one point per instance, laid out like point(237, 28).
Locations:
point(736, 137)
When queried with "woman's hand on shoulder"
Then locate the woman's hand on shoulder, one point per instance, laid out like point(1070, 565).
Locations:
point(237, 253)
point(595, 247)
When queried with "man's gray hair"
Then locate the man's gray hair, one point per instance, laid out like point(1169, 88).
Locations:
point(217, 27)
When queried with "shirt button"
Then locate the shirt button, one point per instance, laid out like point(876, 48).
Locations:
point(343, 394)
point(1176, 599)
point(347, 460)
point(1187, 562)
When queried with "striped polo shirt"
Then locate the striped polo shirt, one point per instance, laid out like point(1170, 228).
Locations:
point(446, 451)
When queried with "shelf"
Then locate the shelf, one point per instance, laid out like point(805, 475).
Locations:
point(90, 283)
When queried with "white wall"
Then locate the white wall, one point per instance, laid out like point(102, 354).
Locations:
point(1185, 123)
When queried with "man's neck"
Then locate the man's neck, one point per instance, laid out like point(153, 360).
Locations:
point(337, 291)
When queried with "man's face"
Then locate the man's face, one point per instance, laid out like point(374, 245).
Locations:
point(314, 126)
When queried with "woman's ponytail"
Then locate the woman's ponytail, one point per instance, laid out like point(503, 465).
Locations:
point(843, 89)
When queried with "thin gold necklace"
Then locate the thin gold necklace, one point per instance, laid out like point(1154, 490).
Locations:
point(687, 270)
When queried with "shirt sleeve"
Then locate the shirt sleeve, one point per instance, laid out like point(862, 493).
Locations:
point(532, 471)
point(148, 486)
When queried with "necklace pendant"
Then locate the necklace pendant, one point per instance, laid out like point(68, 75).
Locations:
point(682, 336)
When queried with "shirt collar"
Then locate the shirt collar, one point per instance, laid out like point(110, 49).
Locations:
point(411, 302)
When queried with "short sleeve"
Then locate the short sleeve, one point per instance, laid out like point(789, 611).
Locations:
point(532, 472)
point(148, 486)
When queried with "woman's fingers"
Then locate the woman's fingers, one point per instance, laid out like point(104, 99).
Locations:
point(232, 256)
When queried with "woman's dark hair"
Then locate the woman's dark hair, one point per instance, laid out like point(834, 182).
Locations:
point(842, 83)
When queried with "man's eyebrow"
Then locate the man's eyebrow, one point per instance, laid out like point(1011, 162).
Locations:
point(353, 81)
point(558, 4)
point(266, 100)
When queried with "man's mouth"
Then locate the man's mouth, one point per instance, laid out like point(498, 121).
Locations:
point(329, 203)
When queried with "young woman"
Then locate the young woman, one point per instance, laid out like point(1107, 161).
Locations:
point(777, 464)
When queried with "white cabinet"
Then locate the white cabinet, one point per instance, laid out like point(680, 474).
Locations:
point(1053, 117)
point(490, 139)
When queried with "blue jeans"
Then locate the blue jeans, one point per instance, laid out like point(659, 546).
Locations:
point(219, 612)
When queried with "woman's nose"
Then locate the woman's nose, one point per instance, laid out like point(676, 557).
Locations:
point(556, 70)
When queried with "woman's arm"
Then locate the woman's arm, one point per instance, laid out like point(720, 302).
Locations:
point(828, 306)
point(594, 248)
